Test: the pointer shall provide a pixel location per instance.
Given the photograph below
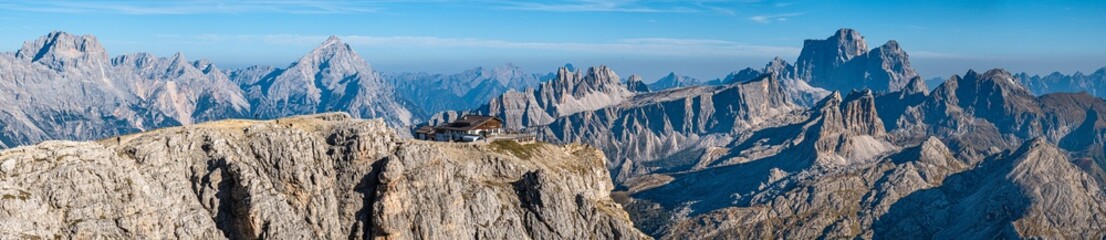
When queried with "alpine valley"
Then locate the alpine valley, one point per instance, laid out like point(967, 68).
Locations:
point(846, 141)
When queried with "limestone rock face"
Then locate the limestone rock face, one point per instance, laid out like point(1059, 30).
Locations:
point(1032, 191)
point(323, 176)
point(634, 83)
point(569, 92)
point(331, 77)
point(65, 86)
point(820, 58)
point(651, 127)
point(189, 92)
point(843, 62)
point(980, 157)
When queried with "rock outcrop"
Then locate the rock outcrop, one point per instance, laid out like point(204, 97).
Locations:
point(322, 176)
point(861, 166)
point(188, 92)
point(65, 86)
point(652, 127)
point(570, 92)
point(634, 83)
point(843, 62)
point(330, 78)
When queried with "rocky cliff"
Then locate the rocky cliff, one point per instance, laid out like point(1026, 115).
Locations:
point(64, 86)
point(569, 92)
point(843, 62)
point(322, 176)
point(980, 155)
point(634, 83)
point(331, 77)
point(662, 130)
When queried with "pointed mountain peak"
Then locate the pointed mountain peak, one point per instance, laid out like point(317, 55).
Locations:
point(633, 78)
point(891, 44)
point(931, 151)
point(830, 101)
point(1037, 157)
point(844, 44)
point(917, 85)
point(205, 66)
point(333, 44)
point(776, 63)
point(673, 80)
point(333, 39)
point(744, 75)
point(999, 77)
point(933, 144)
point(849, 43)
point(58, 48)
point(178, 59)
point(634, 83)
point(865, 94)
point(847, 33)
point(564, 71)
point(602, 75)
point(335, 54)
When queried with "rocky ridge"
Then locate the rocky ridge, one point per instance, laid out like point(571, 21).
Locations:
point(1093, 83)
point(672, 80)
point(321, 176)
point(569, 92)
point(843, 173)
point(65, 86)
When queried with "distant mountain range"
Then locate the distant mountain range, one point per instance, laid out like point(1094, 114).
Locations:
point(1093, 83)
point(433, 93)
point(846, 142)
point(64, 86)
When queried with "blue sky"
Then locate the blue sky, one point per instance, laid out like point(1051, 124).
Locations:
point(701, 38)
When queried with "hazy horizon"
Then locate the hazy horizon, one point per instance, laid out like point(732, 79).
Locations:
point(703, 39)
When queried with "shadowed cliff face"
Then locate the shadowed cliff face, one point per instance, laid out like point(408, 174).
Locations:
point(323, 176)
point(843, 62)
point(1033, 191)
point(864, 164)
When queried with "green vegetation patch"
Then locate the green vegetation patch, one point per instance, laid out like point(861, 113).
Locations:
point(523, 151)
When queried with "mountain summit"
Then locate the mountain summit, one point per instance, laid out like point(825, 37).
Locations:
point(843, 62)
point(61, 49)
point(332, 77)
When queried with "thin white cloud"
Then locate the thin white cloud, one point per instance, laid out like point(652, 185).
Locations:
point(634, 46)
point(189, 7)
point(593, 6)
point(943, 55)
point(724, 7)
point(773, 18)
